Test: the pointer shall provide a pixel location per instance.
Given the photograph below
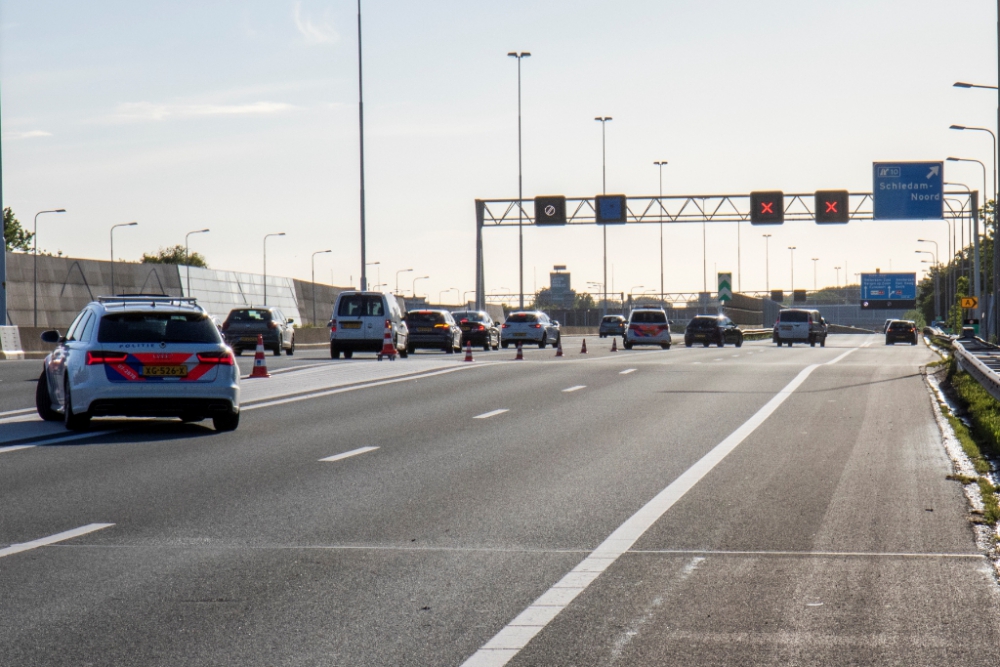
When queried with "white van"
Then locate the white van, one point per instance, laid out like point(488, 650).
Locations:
point(799, 325)
point(359, 320)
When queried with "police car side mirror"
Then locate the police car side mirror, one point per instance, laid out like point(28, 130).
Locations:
point(51, 336)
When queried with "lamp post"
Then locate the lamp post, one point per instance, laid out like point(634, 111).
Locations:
point(187, 257)
point(937, 296)
point(121, 224)
point(520, 193)
point(837, 269)
point(312, 260)
point(397, 277)
point(603, 120)
point(792, 249)
point(265, 258)
point(442, 293)
point(661, 164)
point(980, 163)
point(361, 152)
point(34, 252)
point(974, 234)
point(767, 264)
point(814, 260)
point(378, 275)
point(415, 284)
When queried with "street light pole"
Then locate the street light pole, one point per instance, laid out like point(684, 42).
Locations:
point(767, 264)
point(378, 275)
point(187, 257)
point(520, 192)
point(397, 277)
point(814, 260)
point(313, 262)
point(661, 164)
point(34, 252)
point(121, 224)
point(837, 269)
point(980, 163)
point(361, 147)
point(278, 234)
point(604, 190)
point(415, 284)
point(792, 248)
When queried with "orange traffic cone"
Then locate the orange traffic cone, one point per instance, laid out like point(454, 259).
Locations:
point(583, 350)
point(259, 365)
point(388, 347)
point(468, 352)
point(520, 354)
point(614, 344)
point(559, 351)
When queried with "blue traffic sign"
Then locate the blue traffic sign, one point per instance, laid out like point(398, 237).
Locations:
point(908, 190)
point(888, 286)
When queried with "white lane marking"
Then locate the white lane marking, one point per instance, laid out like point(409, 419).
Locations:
point(353, 452)
point(831, 363)
point(14, 448)
point(574, 388)
point(628, 370)
point(25, 411)
point(695, 363)
point(491, 413)
point(52, 539)
point(499, 650)
point(266, 403)
point(18, 419)
point(866, 344)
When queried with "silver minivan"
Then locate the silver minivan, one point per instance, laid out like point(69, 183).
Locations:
point(359, 322)
point(799, 325)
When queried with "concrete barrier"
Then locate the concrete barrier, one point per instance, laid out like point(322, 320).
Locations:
point(10, 343)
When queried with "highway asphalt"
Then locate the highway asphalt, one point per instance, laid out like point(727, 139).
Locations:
point(703, 506)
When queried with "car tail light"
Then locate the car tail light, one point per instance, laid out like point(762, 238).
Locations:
point(442, 326)
point(479, 327)
point(221, 358)
point(463, 321)
point(332, 324)
point(99, 357)
point(536, 326)
point(504, 326)
point(271, 324)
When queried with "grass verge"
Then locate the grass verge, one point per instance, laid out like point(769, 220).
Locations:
point(981, 439)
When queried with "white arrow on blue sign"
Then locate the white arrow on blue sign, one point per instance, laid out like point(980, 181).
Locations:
point(908, 191)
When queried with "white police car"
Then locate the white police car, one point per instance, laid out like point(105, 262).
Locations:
point(140, 356)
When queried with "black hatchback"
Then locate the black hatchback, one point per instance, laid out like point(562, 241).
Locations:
point(709, 329)
point(901, 330)
point(478, 328)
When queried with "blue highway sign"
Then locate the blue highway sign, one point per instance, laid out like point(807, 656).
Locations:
point(908, 190)
point(888, 290)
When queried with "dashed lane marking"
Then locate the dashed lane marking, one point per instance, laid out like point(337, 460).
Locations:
point(491, 413)
point(52, 539)
point(627, 371)
point(353, 452)
point(574, 388)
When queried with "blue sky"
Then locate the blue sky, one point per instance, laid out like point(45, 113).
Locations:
point(242, 117)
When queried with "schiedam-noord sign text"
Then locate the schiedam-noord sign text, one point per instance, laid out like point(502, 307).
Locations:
point(908, 191)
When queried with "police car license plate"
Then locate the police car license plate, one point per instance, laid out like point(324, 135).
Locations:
point(165, 371)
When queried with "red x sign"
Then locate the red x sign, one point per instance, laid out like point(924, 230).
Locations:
point(767, 207)
point(831, 206)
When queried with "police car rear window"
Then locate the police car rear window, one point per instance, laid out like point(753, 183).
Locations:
point(522, 318)
point(157, 328)
point(649, 317)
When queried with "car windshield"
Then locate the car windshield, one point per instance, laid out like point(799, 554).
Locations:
point(794, 316)
point(649, 317)
point(521, 318)
point(424, 317)
point(249, 315)
point(157, 327)
point(361, 305)
point(703, 323)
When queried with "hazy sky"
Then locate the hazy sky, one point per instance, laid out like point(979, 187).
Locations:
point(242, 116)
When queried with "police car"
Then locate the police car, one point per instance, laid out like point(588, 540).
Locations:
point(139, 356)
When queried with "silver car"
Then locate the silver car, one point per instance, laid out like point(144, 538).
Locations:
point(532, 326)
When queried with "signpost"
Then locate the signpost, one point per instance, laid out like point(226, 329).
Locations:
point(725, 287)
point(908, 191)
point(888, 290)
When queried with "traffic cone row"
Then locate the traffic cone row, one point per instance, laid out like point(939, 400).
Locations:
point(388, 347)
point(259, 364)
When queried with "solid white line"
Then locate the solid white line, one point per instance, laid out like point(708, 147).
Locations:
point(14, 448)
point(353, 452)
point(831, 363)
point(499, 650)
point(574, 388)
point(492, 413)
point(17, 412)
point(627, 371)
point(52, 539)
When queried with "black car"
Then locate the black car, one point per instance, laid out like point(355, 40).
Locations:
point(901, 330)
point(709, 329)
point(478, 328)
point(433, 329)
point(242, 326)
point(612, 325)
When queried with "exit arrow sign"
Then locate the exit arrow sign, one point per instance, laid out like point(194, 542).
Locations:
point(725, 287)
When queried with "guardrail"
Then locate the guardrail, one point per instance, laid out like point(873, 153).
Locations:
point(981, 360)
point(757, 334)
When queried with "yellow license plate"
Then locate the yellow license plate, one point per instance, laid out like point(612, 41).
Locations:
point(165, 371)
point(519, 335)
point(352, 325)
